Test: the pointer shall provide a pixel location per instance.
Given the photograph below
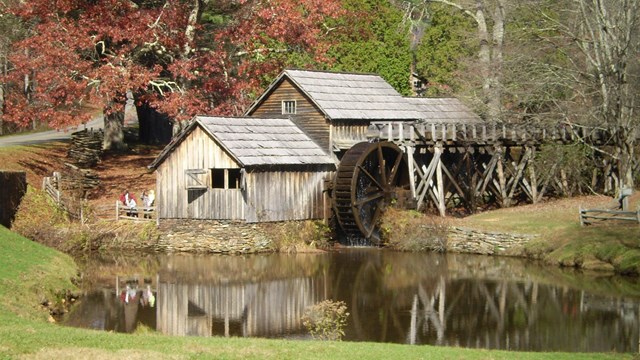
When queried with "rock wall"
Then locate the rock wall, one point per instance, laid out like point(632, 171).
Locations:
point(13, 186)
point(464, 240)
point(212, 236)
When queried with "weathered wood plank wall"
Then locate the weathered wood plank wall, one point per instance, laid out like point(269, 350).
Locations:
point(298, 195)
point(345, 135)
point(308, 117)
point(276, 195)
point(174, 201)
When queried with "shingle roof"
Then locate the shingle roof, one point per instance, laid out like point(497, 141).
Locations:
point(444, 110)
point(349, 96)
point(257, 141)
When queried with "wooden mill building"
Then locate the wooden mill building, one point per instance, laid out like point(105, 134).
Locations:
point(248, 169)
point(336, 109)
point(273, 163)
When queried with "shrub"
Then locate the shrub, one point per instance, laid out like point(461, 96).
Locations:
point(297, 236)
point(409, 230)
point(326, 320)
point(574, 163)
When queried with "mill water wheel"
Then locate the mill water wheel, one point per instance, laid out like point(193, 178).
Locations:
point(368, 179)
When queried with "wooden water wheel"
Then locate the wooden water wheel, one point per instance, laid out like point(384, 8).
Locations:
point(367, 180)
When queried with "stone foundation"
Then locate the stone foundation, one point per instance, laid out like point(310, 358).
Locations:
point(235, 237)
point(212, 236)
point(464, 240)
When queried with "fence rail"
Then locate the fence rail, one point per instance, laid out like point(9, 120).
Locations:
point(147, 213)
point(49, 185)
point(590, 216)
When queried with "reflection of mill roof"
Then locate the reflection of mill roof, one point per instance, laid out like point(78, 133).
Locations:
point(227, 270)
point(256, 141)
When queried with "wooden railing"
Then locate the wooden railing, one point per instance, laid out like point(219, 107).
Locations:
point(145, 213)
point(428, 133)
point(589, 216)
point(50, 187)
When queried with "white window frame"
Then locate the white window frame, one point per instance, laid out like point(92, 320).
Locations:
point(289, 107)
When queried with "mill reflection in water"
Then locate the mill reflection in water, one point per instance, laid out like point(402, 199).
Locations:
point(455, 300)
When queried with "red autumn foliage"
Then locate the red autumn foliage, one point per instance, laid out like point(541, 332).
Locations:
point(79, 52)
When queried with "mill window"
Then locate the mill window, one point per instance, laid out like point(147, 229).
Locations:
point(226, 178)
point(289, 107)
point(196, 179)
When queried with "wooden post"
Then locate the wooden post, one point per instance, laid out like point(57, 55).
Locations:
point(117, 210)
point(580, 214)
point(501, 178)
point(412, 177)
point(440, 183)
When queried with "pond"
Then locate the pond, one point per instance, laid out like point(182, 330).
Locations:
point(454, 300)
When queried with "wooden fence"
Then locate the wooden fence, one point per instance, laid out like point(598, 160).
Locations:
point(590, 216)
point(75, 208)
point(147, 213)
point(50, 186)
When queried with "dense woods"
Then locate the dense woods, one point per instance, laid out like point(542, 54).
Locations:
point(537, 61)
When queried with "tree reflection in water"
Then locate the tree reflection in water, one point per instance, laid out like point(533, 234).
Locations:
point(455, 300)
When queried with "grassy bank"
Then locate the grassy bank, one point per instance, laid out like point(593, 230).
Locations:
point(559, 239)
point(562, 241)
point(30, 272)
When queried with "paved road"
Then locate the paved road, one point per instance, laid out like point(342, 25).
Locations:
point(48, 136)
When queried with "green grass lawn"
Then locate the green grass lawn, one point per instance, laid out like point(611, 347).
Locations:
point(29, 273)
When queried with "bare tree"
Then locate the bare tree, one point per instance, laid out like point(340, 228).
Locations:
point(489, 16)
point(606, 37)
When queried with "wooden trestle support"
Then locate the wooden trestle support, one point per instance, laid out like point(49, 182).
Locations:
point(458, 165)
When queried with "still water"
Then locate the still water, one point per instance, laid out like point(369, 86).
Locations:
point(454, 300)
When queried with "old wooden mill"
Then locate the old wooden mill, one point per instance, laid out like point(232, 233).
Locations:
point(355, 138)
point(451, 165)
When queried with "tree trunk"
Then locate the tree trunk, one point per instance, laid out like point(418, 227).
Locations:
point(192, 23)
point(494, 95)
point(627, 156)
point(154, 127)
point(490, 53)
point(1, 109)
point(113, 128)
point(2, 91)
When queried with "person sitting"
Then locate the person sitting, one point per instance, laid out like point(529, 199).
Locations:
point(152, 198)
point(147, 202)
point(129, 201)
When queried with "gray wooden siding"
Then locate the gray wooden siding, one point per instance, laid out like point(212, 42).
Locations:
point(174, 201)
point(344, 136)
point(285, 195)
point(307, 117)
